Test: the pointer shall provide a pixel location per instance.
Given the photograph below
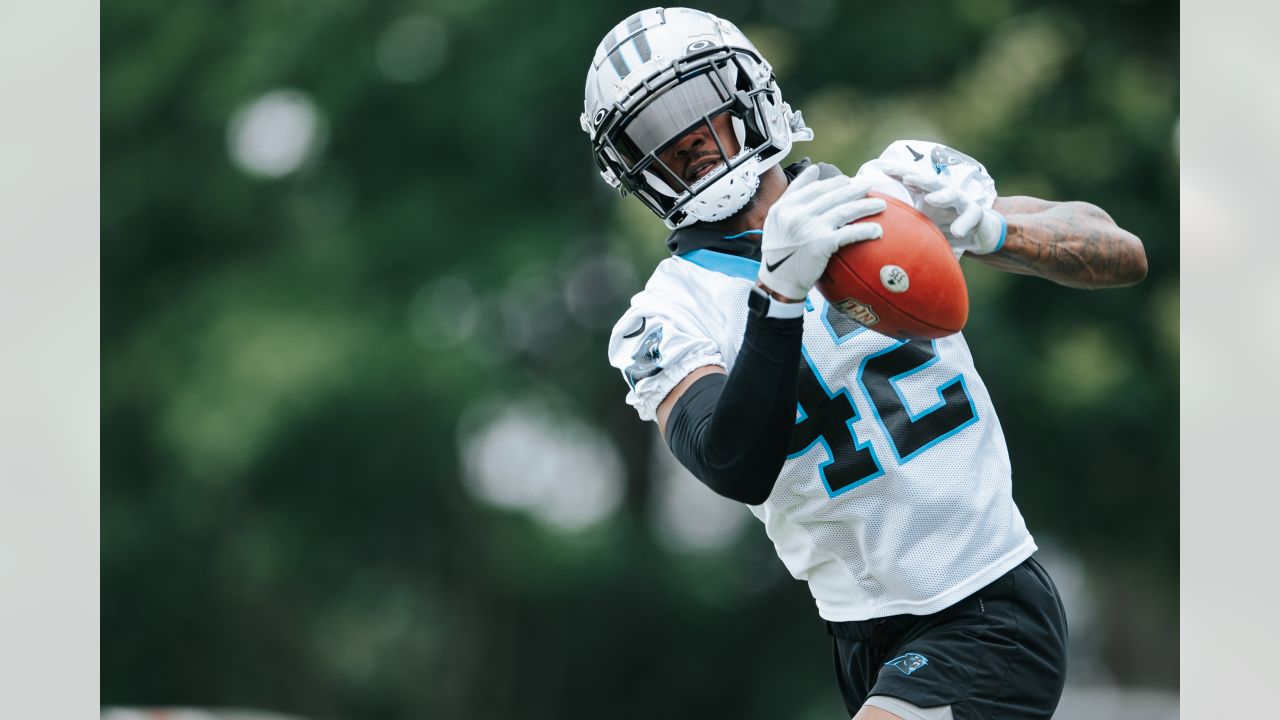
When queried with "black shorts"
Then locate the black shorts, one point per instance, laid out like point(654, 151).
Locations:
point(1001, 652)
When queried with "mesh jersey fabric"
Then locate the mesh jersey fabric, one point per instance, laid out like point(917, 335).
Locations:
point(928, 525)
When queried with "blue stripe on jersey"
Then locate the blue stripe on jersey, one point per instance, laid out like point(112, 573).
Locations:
point(731, 265)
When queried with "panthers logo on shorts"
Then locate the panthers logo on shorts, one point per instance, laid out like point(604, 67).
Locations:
point(908, 663)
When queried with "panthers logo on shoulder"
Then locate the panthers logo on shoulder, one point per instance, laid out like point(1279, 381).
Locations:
point(646, 360)
point(908, 663)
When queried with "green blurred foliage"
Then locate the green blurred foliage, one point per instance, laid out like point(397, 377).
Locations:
point(284, 519)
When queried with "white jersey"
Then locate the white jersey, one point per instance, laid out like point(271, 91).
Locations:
point(896, 496)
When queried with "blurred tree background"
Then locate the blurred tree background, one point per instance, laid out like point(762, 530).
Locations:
point(363, 455)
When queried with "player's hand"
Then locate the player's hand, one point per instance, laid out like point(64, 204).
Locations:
point(968, 225)
point(809, 223)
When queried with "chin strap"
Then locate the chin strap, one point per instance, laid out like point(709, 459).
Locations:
point(728, 195)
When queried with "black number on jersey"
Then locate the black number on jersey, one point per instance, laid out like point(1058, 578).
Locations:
point(827, 417)
point(910, 434)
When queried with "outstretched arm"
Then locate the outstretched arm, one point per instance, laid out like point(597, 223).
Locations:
point(1071, 243)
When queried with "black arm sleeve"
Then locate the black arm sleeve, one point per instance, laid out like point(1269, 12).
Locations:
point(732, 432)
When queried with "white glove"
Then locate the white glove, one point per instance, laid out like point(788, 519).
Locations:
point(968, 225)
point(809, 223)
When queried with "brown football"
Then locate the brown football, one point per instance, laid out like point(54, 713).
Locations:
point(905, 284)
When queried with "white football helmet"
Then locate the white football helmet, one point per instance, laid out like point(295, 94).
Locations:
point(660, 74)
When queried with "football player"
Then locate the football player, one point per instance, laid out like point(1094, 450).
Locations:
point(877, 466)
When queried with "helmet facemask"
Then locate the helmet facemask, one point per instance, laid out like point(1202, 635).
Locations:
point(676, 100)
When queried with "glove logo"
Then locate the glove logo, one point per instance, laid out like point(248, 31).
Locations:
point(775, 266)
point(944, 157)
point(908, 663)
point(894, 279)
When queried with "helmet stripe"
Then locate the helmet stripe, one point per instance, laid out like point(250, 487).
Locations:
point(611, 42)
point(642, 47)
point(632, 31)
point(619, 64)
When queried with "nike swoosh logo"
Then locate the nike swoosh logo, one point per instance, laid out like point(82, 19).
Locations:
point(778, 264)
point(637, 331)
point(914, 153)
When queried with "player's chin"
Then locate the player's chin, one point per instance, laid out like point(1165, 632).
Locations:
point(751, 205)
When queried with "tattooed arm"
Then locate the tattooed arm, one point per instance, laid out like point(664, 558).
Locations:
point(1071, 243)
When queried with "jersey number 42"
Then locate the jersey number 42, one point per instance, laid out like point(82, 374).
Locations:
point(827, 417)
